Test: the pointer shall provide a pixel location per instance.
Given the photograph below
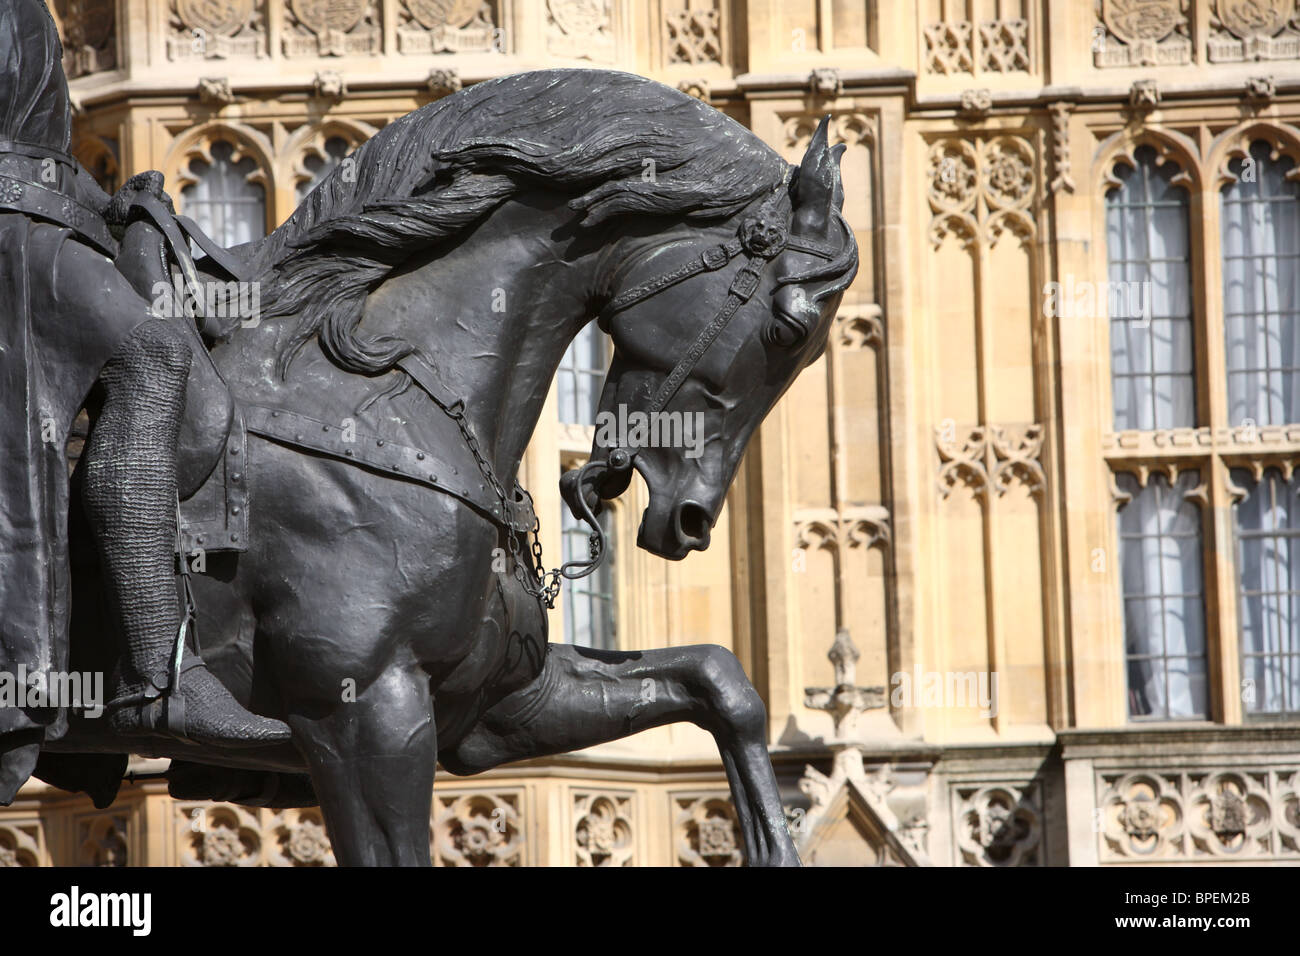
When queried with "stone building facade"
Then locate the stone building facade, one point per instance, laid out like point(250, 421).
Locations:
point(1038, 500)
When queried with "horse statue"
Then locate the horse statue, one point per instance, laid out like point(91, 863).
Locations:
point(372, 417)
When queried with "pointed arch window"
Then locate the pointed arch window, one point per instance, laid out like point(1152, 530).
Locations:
point(1153, 380)
point(1261, 288)
point(222, 199)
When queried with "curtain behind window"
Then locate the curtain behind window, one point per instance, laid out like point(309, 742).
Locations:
point(1152, 379)
point(1261, 290)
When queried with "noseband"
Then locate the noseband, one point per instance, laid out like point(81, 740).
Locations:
point(760, 238)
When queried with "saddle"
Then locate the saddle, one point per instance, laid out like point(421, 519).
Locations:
point(213, 447)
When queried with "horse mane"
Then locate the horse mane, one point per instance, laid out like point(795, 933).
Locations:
point(433, 173)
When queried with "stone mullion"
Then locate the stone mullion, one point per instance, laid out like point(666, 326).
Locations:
point(1047, 412)
point(997, 651)
point(275, 31)
point(1219, 559)
point(388, 26)
point(839, 468)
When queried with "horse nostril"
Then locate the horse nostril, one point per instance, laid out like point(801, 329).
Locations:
point(693, 521)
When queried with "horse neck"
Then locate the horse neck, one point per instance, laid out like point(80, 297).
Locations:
point(507, 302)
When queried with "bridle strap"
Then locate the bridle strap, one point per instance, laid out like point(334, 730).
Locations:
point(710, 260)
point(742, 288)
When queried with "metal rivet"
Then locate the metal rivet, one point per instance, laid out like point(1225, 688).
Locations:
point(324, 428)
point(234, 537)
point(432, 476)
point(348, 452)
point(419, 455)
point(199, 539)
point(234, 451)
point(297, 438)
point(275, 414)
point(234, 510)
point(236, 476)
point(380, 443)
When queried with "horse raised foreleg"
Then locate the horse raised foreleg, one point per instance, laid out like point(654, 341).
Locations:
point(372, 764)
point(585, 697)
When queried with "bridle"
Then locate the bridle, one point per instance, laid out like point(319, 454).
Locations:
point(760, 239)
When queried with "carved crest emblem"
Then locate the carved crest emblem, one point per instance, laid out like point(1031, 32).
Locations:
point(219, 17)
point(579, 17)
point(444, 13)
point(1255, 18)
point(323, 16)
point(1133, 20)
point(1140, 818)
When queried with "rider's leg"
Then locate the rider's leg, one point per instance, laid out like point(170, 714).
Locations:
point(130, 498)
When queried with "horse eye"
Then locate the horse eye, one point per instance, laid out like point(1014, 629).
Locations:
point(784, 332)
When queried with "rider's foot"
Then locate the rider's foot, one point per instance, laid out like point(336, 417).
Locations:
point(207, 714)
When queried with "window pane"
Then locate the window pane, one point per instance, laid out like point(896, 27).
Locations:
point(1164, 605)
point(1152, 378)
point(582, 370)
point(223, 202)
point(1268, 561)
point(589, 619)
point(1261, 279)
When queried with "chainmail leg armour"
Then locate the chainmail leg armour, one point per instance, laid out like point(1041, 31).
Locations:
point(130, 499)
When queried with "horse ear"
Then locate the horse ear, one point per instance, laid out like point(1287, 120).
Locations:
point(818, 185)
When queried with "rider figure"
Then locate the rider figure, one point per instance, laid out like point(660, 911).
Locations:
point(70, 318)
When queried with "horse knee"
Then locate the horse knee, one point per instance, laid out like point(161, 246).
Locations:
point(732, 698)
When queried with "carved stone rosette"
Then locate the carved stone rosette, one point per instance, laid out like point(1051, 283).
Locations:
point(980, 187)
point(602, 831)
point(1199, 815)
point(998, 825)
point(218, 835)
point(478, 829)
point(706, 830)
point(297, 837)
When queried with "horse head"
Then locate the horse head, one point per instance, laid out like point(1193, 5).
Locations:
point(707, 337)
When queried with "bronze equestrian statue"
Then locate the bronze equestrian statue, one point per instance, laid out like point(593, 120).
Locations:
point(362, 483)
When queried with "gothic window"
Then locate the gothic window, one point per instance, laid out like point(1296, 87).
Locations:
point(1261, 289)
point(1268, 557)
point(1152, 376)
point(336, 148)
point(222, 199)
point(589, 602)
point(1163, 592)
point(580, 375)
